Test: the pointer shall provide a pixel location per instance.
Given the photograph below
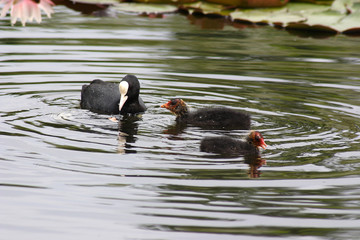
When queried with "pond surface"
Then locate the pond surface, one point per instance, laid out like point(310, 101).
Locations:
point(67, 173)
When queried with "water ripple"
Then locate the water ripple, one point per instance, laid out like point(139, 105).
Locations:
point(145, 177)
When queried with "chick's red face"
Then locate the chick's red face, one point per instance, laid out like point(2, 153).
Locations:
point(259, 140)
point(167, 105)
point(173, 105)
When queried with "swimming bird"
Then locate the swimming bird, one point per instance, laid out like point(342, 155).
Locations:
point(225, 145)
point(112, 98)
point(217, 117)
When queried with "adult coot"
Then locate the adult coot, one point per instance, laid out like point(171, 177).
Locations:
point(229, 146)
point(112, 98)
point(217, 117)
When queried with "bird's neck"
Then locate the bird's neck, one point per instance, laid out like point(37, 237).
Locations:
point(250, 141)
point(182, 112)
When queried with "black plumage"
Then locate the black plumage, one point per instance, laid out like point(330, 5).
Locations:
point(104, 97)
point(218, 117)
point(225, 145)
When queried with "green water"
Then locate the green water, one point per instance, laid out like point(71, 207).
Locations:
point(67, 173)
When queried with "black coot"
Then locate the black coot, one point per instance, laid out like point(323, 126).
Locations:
point(112, 98)
point(218, 117)
point(229, 146)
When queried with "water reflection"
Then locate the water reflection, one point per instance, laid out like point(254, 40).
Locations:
point(311, 33)
point(208, 22)
point(128, 129)
point(175, 129)
point(255, 162)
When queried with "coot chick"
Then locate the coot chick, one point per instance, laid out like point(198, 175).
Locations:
point(218, 117)
point(112, 98)
point(231, 147)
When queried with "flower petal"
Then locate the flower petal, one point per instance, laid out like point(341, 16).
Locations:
point(26, 10)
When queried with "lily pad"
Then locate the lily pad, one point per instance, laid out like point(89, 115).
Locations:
point(331, 19)
point(165, 1)
point(251, 3)
point(323, 2)
point(320, 21)
point(206, 8)
point(306, 8)
point(341, 16)
point(282, 18)
point(145, 8)
point(254, 16)
point(276, 16)
point(98, 1)
point(305, 16)
point(349, 24)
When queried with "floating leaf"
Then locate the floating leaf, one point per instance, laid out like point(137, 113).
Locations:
point(320, 21)
point(330, 19)
point(165, 1)
point(304, 16)
point(276, 16)
point(97, 1)
point(323, 2)
point(206, 8)
point(305, 8)
point(145, 8)
point(254, 16)
point(343, 16)
point(350, 23)
point(284, 18)
point(251, 3)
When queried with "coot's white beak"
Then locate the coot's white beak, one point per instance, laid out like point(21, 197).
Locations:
point(123, 87)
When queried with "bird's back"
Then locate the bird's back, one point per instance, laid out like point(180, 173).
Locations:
point(223, 118)
point(225, 145)
point(100, 97)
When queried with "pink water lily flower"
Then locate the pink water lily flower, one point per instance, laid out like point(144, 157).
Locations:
point(26, 10)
